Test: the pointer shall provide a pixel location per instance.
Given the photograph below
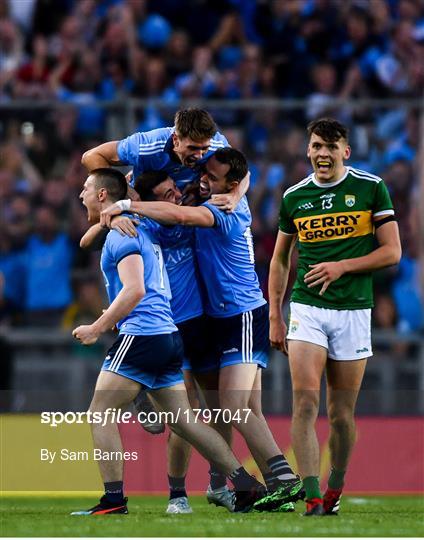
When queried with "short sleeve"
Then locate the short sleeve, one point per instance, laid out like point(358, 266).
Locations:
point(122, 246)
point(223, 222)
point(382, 204)
point(285, 222)
point(129, 149)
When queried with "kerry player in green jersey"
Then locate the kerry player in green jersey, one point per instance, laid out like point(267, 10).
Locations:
point(335, 214)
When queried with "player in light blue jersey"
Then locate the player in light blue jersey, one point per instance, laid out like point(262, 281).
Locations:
point(180, 151)
point(178, 248)
point(238, 315)
point(147, 353)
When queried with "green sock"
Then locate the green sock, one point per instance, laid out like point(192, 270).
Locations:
point(336, 479)
point(311, 485)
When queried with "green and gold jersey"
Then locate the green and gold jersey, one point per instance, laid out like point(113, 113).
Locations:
point(334, 222)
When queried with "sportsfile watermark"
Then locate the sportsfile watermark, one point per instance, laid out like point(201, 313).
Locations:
point(113, 415)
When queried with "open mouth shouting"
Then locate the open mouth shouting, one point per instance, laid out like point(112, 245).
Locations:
point(204, 190)
point(323, 166)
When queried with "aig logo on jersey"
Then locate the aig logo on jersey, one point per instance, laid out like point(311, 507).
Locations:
point(350, 200)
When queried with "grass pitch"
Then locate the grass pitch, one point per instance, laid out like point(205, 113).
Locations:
point(360, 516)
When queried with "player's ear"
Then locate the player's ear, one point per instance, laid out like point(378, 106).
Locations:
point(308, 150)
point(101, 195)
point(347, 152)
point(175, 139)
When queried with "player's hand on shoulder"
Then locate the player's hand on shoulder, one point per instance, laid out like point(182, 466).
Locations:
point(226, 202)
point(277, 335)
point(106, 215)
point(124, 225)
point(85, 334)
point(324, 273)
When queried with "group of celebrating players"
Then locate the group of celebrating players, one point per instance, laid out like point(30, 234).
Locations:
point(178, 265)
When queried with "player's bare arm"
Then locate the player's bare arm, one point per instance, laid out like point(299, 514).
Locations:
point(277, 284)
point(387, 254)
point(131, 274)
point(95, 236)
point(229, 201)
point(104, 155)
point(163, 212)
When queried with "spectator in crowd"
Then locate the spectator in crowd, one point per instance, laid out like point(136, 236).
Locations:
point(49, 260)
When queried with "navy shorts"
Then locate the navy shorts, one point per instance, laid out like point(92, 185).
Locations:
point(194, 333)
point(241, 339)
point(153, 361)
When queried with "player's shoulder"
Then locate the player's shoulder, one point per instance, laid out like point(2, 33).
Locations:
point(154, 141)
point(363, 176)
point(218, 141)
point(300, 185)
point(116, 242)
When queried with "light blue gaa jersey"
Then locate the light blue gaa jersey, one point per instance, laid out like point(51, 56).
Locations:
point(177, 243)
point(227, 262)
point(152, 151)
point(153, 314)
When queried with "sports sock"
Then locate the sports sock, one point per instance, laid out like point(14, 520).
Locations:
point(242, 480)
point(270, 481)
point(217, 478)
point(336, 479)
point(176, 487)
point(114, 491)
point(311, 485)
point(280, 468)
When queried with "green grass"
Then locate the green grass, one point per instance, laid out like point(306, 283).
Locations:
point(365, 516)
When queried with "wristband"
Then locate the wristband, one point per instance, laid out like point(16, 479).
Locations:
point(124, 205)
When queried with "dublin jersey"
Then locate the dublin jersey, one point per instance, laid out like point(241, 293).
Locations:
point(227, 262)
point(177, 245)
point(152, 151)
point(334, 222)
point(153, 314)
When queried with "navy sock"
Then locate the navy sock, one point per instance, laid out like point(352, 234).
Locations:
point(217, 478)
point(242, 480)
point(176, 487)
point(114, 491)
point(270, 481)
point(280, 468)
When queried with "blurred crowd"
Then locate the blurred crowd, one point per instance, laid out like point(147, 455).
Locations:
point(81, 54)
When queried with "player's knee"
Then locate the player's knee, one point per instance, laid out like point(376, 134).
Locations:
point(305, 406)
point(341, 420)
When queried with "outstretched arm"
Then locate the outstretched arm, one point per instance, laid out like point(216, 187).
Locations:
point(277, 284)
point(163, 212)
point(95, 237)
point(131, 274)
point(104, 155)
point(387, 254)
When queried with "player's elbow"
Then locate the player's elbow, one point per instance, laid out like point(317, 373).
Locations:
point(396, 254)
point(86, 157)
point(136, 294)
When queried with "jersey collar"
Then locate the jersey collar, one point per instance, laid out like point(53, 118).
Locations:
point(331, 184)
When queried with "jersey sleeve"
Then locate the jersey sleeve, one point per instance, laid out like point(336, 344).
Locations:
point(223, 222)
point(129, 149)
point(382, 205)
point(285, 222)
point(122, 246)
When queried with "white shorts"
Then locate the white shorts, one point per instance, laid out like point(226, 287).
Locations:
point(345, 333)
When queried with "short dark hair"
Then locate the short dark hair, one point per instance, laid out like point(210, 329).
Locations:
point(197, 124)
point(146, 182)
point(112, 180)
point(236, 160)
point(328, 129)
